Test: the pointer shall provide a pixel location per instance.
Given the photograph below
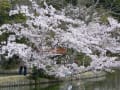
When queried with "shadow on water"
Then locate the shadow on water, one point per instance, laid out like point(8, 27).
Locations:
point(111, 82)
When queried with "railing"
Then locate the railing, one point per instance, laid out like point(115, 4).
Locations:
point(17, 83)
point(28, 82)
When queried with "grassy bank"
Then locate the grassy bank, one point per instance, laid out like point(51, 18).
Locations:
point(17, 80)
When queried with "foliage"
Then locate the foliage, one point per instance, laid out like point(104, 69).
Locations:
point(63, 25)
point(110, 54)
point(103, 15)
point(26, 41)
point(73, 2)
point(78, 57)
point(4, 36)
point(35, 74)
point(58, 4)
point(60, 59)
point(51, 33)
point(112, 5)
point(86, 3)
point(73, 56)
point(54, 4)
point(39, 73)
point(18, 18)
point(19, 2)
point(82, 59)
point(9, 63)
point(5, 7)
point(22, 40)
point(104, 19)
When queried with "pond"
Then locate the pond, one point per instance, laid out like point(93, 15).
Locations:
point(110, 82)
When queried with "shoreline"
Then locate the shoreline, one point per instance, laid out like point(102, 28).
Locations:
point(21, 80)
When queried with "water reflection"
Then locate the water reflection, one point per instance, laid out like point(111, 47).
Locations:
point(112, 82)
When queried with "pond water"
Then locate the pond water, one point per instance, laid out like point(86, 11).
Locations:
point(111, 82)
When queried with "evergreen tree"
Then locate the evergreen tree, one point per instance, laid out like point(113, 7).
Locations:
point(5, 7)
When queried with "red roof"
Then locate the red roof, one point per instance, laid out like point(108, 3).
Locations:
point(58, 51)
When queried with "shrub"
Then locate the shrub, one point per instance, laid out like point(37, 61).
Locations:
point(82, 59)
point(25, 41)
point(22, 40)
point(4, 36)
point(9, 63)
point(18, 18)
point(104, 19)
point(35, 74)
point(39, 73)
